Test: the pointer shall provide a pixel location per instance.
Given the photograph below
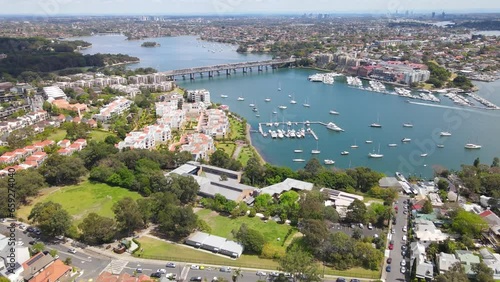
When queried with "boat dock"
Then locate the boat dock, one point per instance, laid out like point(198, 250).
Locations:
point(289, 129)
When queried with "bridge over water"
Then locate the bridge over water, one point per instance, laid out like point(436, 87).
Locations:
point(228, 68)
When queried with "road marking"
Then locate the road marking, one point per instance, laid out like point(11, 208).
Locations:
point(184, 273)
point(75, 256)
point(116, 266)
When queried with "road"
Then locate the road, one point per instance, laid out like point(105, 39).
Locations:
point(395, 254)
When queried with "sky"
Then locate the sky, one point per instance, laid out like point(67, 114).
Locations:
point(227, 7)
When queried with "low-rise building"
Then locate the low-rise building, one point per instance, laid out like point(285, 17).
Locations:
point(286, 185)
point(214, 122)
point(54, 92)
point(424, 268)
point(492, 260)
point(44, 268)
point(389, 182)
point(339, 199)
point(467, 259)
point(20, 253)
point(106, 276)
point(426, 232)
point(117, 107)
point(148, 138)
point(199, 95)
point(215, 244)
point(199, 145)
point(445, 261)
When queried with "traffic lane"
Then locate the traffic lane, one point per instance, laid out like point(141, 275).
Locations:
point(208, 275)
point(152, 267)
point(395, 254)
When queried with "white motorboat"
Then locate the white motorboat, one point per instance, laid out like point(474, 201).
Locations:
point(293, 102)
point(423, 155)
point(400, 176)
point(329, 162)
point(241, 99)
point(299, 160)
point(368, 141)
point(407, 125)
point(440, 145)
point(376, 125)
point(257, 115)
point(406, 140)
point(223, 96)
point(392, 145)
point(315, 151)
point(472, 146)
point(297, 151)
point(251, 105)
point(282, 107)
point(354, 146)
point(267, 99)
point(344, 153)
point(332, 112)
point(445, 133)
point(334, 127)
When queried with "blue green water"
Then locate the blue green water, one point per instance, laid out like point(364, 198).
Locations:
point(357, 108)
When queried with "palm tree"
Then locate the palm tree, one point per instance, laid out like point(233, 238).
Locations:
point(237, 274)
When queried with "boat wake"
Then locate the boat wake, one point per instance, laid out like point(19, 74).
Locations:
point(447, 107)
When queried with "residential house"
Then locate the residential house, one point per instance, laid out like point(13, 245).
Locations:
point(445, 261)
point(64, 143)
point(426, 232)
point(467, 259)
point(214, 122)
point(287, 185)
point(494, 225)
point(148, 138)
point(44, 268)
point(492, 260)
point(36, 159)
point(424, 268)
point(21, 254)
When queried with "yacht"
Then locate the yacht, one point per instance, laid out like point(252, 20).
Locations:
point(223, 96)
point(293, 101)
point(406, 140)
point(280, 134)
point(354, 146)
point(368, 141)
point(317, 151)
point(289, 123)
point(275, 112)
point(423, 155)
point(407, 125)
point(329, 162)
point(332, 112)
point(334, 127)
point(267, 99)
point(392, 145)
point(297, 151)
point(299, 160)
point(257, 115)
point(344, 153)
point(377, 155)
point(445, 133)
point(282, 107)
point(472, 146)
point(255, 109)
point(376, 125)
point(316, 77)
point(252, 105)
point(241, 99)
point(440, 146)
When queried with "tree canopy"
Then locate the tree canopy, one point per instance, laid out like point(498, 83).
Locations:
point(52, 219)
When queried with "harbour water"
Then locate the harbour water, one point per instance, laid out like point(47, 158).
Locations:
point(358, 109)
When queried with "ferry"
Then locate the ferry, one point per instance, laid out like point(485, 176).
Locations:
point(472, 146)
point(445, 133)
point(329, 162)
point(406, 140)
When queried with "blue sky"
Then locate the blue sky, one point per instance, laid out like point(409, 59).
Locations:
point(221, 7)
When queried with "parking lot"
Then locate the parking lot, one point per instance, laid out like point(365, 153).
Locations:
point(348, 229)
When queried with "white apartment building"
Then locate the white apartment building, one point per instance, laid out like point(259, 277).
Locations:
point(54, 92)
point(130, 90)
point(214, 122)
point(116, 107)
point(199, 145)
point(199, 95)
point(148, 138)
point(416, 76)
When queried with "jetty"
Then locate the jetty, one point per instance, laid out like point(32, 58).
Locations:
point(276, 127)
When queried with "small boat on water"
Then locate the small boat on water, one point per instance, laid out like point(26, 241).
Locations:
point(282, 107)
point(344, 153)
point(406, 140)
point(445, 133)
point(297, 151)
point(223, 96)
point(423, 155)
point(393, 145)
point(299, 160)
point(315, 151)
point(376, 155)
point(376, 125)
point(354, 146)
point(332, 112)
point(241, 99)
point(368, 141)
point(252, 105)
point(267, 99)
point(472, 146)
point(334, 127)
point(407, 125)
point(440, 146)
point(257, 115)
point(329, 162)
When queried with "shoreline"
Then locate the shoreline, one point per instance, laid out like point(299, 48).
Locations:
point(249, 138)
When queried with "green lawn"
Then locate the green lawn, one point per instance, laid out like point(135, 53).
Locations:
point(227, 147)
point(222, 226)
point(57, 136)
point(157, 249)
point(245, 154)
point(98, 135)
point(82, 199)
point(237, 129)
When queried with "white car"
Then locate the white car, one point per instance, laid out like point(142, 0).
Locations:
point(403, 263)
point(261, 273)
point(393, 231)
point(370, 226)
point(171, 276)
point(404, 229)
point(162, 271)
point(73, 251)
point(195, 266)
point(403, 269)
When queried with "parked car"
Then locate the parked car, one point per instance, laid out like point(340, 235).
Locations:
point(73, 251)
point(361, 225)
point(195, 278)
point(370, 226)
point(355, 280)
point(32, 242)
point(275, 274)
point(391, 246)
point(389, 260)
point(403, 263)
point(162, 271)
point(138, 270)
point(225, 269)
point(403, 269)
point(388, 268)
point(155, 275)
point(403, 247)
point(171, 276)
point(261, 273)
point(170, 265)
point(340, 279)
point(405, 228)
point(30, 229)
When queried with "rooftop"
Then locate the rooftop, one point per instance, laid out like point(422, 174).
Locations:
point(287, 185)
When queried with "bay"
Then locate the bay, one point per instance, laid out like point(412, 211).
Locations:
point(358, 109)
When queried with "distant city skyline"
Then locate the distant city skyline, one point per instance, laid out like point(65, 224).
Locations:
point(228, 7)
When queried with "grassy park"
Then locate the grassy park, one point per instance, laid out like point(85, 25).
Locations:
point(99, 135)
point(227, 147)
point(82, 199)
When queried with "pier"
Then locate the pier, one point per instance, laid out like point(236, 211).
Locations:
point(289, 132)
point(227, 68)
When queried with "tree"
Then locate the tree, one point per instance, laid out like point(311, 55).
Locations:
point(58, 169)
point(356, 234)
point(254, 172)
point(252, 240)
point(96, 151)
point(467, 223)
point(364, 178)
point(301, 264)
point(427, 207)
point(28, 183)
point(184, 187)
point(443, 184)
point(477, 162)
point(237, 273)
point(356, 212)
point(456, 273)
point(313, 167)
point(483, 272)
point(97, 229)
point(315, 231)
point(496, 162)
point(127, 214)
point(177, 222)
point(52, 219)
point(263, 201)
point(38, 247)
point(312, 205)
point(367, 256)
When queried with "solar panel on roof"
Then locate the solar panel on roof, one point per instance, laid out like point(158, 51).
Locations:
point(34, 259)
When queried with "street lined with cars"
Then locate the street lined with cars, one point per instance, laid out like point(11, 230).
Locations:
point(398, 249)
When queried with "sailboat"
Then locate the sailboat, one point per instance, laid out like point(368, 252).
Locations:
point(279, 86)
point(293, 101)
point(407, 124)
point(354, 146)
point(317, 151)
point(376, 124)
point(377, 155)
point(267, 99)
point(306, 104)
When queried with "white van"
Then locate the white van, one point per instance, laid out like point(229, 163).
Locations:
point(404, 238)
